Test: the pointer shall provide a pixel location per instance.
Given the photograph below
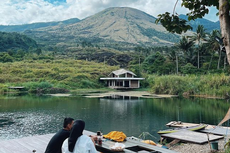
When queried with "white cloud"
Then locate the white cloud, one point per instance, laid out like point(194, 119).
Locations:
point(30, 11)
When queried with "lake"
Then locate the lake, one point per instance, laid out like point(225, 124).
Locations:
point(28, 115)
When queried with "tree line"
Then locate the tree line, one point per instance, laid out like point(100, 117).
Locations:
point(201, 53)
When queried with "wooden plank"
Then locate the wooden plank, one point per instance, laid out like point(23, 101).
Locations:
point(217, 130)
point(39, 143)
point(26, 144)
point(175, 141)
point(16, 87)
point(152, 147)
point(191, 136)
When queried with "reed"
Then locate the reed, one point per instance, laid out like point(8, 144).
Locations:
point(209, 85)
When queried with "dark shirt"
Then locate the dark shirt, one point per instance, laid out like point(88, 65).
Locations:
point(56, 141)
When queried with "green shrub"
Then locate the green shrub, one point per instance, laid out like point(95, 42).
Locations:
point(188, 69)
point(35, 87)
point(88, 84)
point(170, 84)
point(28, 75)
point(44, 85)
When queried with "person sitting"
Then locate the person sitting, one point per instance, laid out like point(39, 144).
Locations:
point(55, 144)
point(77, 142)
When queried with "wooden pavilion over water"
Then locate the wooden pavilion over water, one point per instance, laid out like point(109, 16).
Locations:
point(122, 79)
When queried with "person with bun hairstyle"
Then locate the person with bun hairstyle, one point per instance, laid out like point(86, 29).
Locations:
point(77, 142)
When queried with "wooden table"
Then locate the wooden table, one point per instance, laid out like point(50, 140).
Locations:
point(131, 146)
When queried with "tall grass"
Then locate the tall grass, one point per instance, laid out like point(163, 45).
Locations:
point(211, 85)
point(46, 74)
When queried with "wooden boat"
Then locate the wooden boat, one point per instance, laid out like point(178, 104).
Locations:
point(191, 128)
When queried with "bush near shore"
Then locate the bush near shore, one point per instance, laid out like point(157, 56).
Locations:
point(210, 85)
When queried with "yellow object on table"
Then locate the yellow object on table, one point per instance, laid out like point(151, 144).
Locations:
point(116, 136)
point(149, 142)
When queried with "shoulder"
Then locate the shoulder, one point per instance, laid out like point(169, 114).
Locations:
point(64, 132)
point(85, 137)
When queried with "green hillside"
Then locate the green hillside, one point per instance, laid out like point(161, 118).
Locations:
point(15, 41)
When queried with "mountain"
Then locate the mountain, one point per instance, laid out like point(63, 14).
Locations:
point(208, 25)
point(21, 28)
point(119, 25)
point(15, 41)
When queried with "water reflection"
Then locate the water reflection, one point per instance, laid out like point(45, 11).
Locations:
point(121, 97)
point(30, 115)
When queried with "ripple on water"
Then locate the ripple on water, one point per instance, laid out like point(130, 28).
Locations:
point(17, 125)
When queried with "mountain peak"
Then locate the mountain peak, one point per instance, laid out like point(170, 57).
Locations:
point(118, 24)
point(125, 13)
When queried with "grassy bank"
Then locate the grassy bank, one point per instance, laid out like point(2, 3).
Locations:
point(79, 77)
point(210, 85)
point(52, 76)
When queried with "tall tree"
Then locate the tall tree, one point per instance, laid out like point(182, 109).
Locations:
point(185, 45)
point(214, 45)
point(198, 9)
point(173, 55)
point(199, 37)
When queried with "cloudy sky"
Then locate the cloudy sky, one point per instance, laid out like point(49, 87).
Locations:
point(15, 12)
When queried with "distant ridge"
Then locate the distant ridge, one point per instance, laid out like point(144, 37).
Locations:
point(21, 28)
point(208, 25)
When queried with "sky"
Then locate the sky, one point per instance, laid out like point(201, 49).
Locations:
point(15, 12)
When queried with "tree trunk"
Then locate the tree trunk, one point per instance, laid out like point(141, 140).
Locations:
point(176, 64)
point(225, 25)
point(198, 58)
point(210, 62)
point(218, 66)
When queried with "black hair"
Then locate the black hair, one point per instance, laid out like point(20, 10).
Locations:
point(76, 132)
point(67, 121)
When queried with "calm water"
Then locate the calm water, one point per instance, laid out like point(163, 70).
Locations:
point(31, 115)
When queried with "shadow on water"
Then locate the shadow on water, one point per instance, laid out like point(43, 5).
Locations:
point(31, 115)
point(5, 121)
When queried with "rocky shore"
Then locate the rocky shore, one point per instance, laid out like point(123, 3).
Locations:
point(196, 148)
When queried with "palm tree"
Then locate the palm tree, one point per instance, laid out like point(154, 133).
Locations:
point(173, 56)
point(199, 37)
point(214, 45)
point(186, 47)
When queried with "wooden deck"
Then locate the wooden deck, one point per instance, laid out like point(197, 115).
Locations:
point(39, 143)
point(217, 130)
point(191, 136)
point(26, 144)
